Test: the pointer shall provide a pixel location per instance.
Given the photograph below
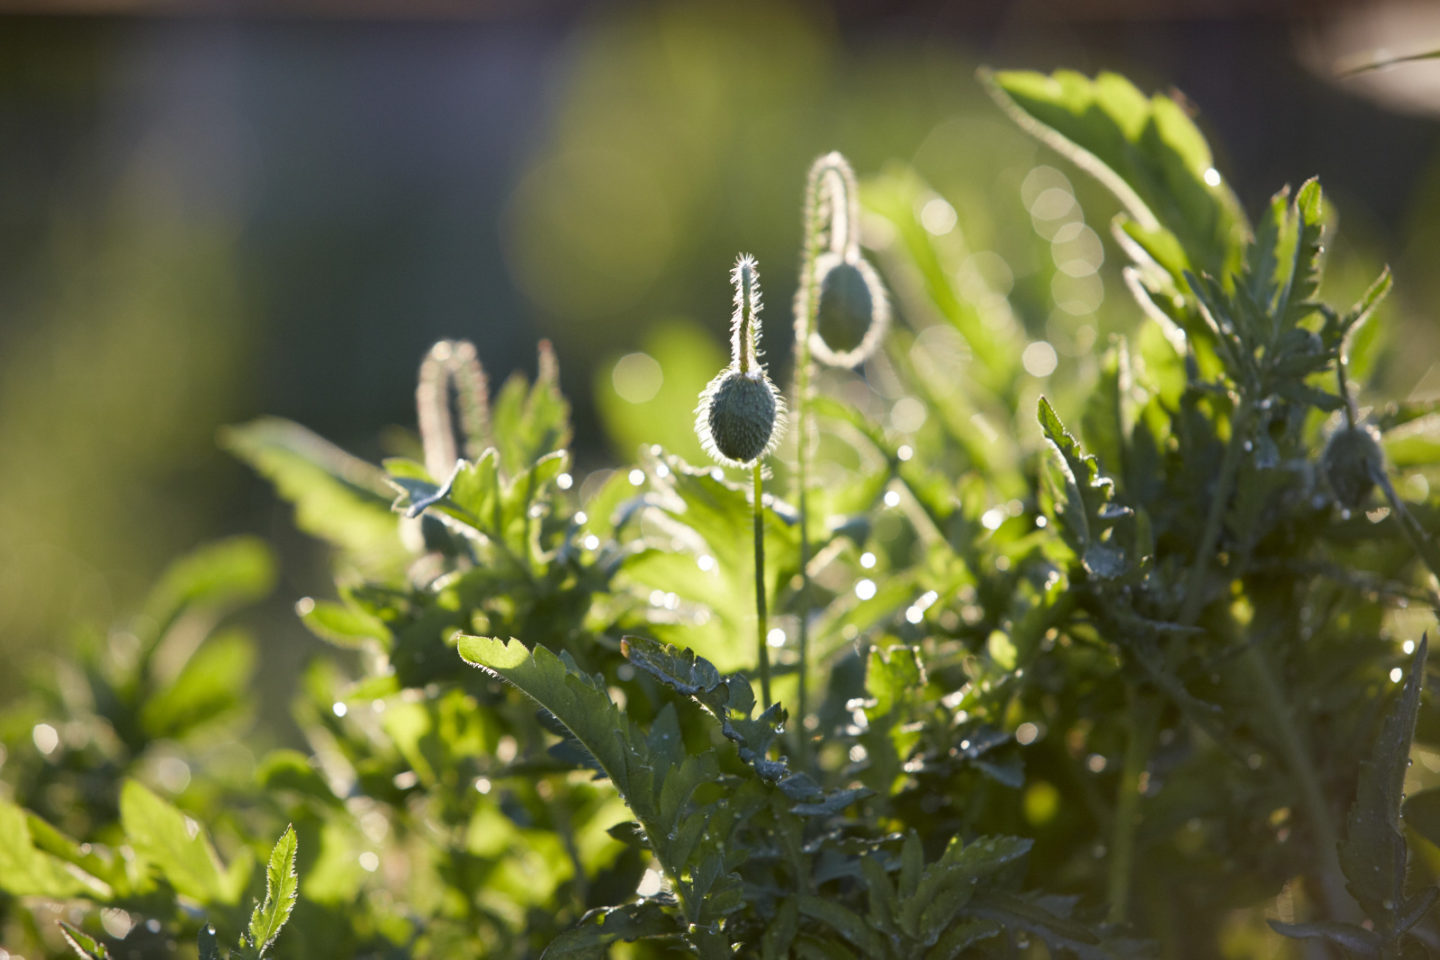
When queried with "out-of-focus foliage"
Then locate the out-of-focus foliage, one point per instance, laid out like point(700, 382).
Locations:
point(107, 409)
point(1076, 659)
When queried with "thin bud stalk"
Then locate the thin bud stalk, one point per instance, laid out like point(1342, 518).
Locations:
point(761, 617)
point(739, 421)
point(832, 208)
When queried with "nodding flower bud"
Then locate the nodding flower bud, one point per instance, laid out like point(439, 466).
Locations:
point(853, 312)
point(741, 414)
point(452, 364)
point(1352, 462)
point(841, 309)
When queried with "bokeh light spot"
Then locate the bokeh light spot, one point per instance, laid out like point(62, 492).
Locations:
point(637, 377)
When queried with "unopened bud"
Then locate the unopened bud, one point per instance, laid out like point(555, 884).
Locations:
point(1352, 462)
point(737, 416)
point(853, 312)
point(740, 413)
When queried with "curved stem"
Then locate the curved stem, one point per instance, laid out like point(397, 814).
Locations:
point(1344, 385)
point(762, 650)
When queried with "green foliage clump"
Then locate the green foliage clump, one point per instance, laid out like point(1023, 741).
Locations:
point(1130, 687)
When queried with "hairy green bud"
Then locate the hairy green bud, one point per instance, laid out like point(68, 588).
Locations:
point(1353, 462)
point(740, 411)
point(740, 414)
point(853, 311)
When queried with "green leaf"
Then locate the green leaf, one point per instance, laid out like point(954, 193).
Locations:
point(282, 887)
point(478, 498)
point(961, 936)
point(178, 848)
point(578, 701)
point(337, 497)
point(730, 700)
point(26, 871)
point(1087, 518)
point(529, 422)
point(780, 934)
point(1295, 298)
point(1356, 940)
point(342, 624)
point(293, 770)
point(712, 518)
point(1059, 933)
point(896, 683)
point(1282, 269)
point(1344, 330)
point(845, 922)
point(601, 927)
point(1144, 150)
point(1373, 854)
point(213, 684)
point(946, 885)
point(994, 338)
point(652, 784)
point(1105, 420)
point(82, 943)
point(1415, 909)
point(217, 577)
point(98, 869)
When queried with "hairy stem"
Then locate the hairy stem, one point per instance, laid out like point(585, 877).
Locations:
point(746, 308)
point(830, 173)
point(761, 649)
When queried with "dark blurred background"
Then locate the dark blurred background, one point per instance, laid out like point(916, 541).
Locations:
point(213, 211)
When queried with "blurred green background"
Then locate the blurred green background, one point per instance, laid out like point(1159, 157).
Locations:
point(206, 217)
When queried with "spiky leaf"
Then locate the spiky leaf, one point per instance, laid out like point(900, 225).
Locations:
point(1088, 516)
point(1373, 853)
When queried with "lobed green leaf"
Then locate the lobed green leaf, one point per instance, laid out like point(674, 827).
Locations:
point(282, 887)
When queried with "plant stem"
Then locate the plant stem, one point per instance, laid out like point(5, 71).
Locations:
point(828, 171)
point(1230, 465)
point(804, 369)
point(762, 650)
point(1145, 714)
point(1144, 719)
point(1312, 797)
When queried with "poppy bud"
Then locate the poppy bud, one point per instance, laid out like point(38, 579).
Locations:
point(853, 312)
point(1352, 460)
point(739, 410)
